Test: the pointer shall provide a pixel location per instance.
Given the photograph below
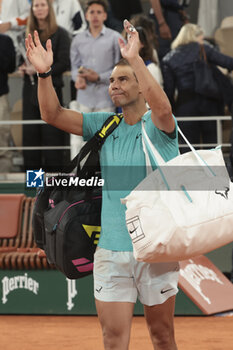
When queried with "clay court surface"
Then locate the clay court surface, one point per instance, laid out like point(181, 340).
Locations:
point(84, 333)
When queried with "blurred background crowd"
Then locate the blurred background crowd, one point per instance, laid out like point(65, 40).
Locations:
point(177, 37)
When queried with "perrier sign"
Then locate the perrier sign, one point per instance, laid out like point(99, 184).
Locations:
point(45, 292)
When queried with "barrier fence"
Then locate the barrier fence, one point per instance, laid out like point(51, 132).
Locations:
point(219, 127)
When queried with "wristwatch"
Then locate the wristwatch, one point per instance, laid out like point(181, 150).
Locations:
point(46, 74)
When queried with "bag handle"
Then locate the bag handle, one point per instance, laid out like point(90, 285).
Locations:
point(153, 151)
point(200, 160)
point(159, 161)
point(149, 169)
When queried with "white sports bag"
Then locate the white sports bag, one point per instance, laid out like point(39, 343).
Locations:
point(182, 209)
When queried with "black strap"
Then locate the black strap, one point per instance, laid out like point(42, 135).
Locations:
point(93, 146)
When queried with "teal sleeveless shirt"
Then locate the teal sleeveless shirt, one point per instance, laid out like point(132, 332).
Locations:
point(123, 166)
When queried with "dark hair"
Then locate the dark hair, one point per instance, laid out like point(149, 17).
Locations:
point(102, 3)
point(146, 52)
point(122, 62)
point(148, 25)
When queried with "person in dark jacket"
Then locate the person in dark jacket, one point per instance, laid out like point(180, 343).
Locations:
point(119, 10)
point(169, 17)
point(42, 19)
point(7, 65)
point(179, 81)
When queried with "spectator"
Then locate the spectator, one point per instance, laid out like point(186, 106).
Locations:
point(7, 65)
point(119, 10)
point(169, 16)
point(178, 74)
point(148, 25)
point(148, 53)
point(14, 15)
point(125, 8)
point(94, 53)
point(148, 56)
point(42, 18)
point(69, 14)
point(111, 21)
point(146, 29)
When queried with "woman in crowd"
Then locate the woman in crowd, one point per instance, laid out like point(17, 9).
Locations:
point(147, 52)
point(179, 83)
point(42, 19)
point(148, 42)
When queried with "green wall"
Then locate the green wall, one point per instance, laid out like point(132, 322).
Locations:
point(49, 292)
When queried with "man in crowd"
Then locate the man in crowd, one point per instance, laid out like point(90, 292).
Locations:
point(14, 15)
point(169, 16)
point(94, 53)
point(7, 64)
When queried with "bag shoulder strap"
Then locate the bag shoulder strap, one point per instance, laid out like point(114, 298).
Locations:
point(108, 127)
point(202, 53)
point(96, 142)
point(159, 161)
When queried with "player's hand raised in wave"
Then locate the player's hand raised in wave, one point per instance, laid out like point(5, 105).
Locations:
point(40, 58)
point(130, 49)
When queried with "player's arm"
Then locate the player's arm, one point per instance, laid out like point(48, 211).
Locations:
point(53, 113)
point(51, 110)
point(154, 95)
point(161, 112)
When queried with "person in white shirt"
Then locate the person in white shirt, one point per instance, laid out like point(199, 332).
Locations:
point(69, 14)
point(14, 15)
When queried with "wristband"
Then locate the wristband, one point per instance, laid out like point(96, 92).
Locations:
point(45, 75)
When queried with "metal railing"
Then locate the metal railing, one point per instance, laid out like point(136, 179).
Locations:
point(218, 119)
point(28, 122)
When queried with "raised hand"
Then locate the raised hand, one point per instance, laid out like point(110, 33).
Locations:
point(130, 49)
point(40, 58)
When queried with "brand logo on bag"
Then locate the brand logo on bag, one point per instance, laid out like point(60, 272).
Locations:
point(83, 264)
point(195, 274)
point(93, 231)
point(135, 229)
point(35, 178)
point(223, 193)
point(18, 282)
point(72, 292)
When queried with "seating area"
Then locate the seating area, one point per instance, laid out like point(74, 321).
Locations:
point(18, 250)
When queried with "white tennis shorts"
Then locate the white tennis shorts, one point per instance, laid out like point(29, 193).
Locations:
point(119, 277)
